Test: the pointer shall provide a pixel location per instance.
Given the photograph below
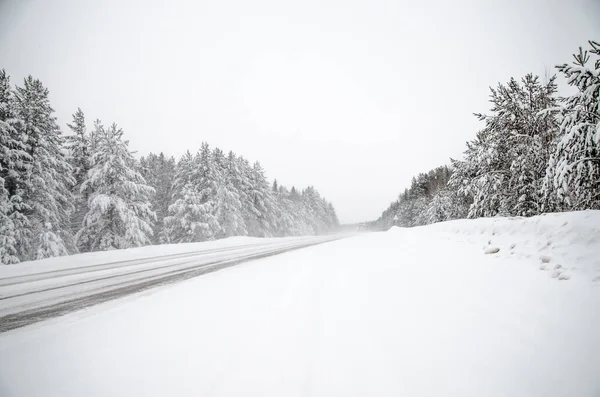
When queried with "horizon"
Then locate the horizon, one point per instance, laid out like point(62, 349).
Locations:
point(320, 94)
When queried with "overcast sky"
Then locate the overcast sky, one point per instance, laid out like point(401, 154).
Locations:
point(353, 97)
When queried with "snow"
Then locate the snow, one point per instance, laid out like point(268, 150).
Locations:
point(568, 242)
point(101, 257)
point(416, 312)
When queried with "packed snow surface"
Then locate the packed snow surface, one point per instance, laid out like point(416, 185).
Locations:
point(32, 293)
point(152, 251)
point(414, 312)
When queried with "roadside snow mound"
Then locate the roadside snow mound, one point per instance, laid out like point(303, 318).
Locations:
point(561, 244)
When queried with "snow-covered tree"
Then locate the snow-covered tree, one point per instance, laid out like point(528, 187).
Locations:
point(78, 154)
point(446, 205)
point(119, 214)
point(159, 173)
point(192, 213)
point(263, 222)
point(573, 172)
point(8, 228)
point(300, 214)
point(503, 168)
point(286, 217)
point(245, 187)
point(78, 146)
point(89, 184)
point(228, 210)
point(428, 200)
point(191, 218)
point(206, 180)
point(47, 192)
point(14, 162)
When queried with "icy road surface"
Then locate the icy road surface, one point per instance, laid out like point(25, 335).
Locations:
point(57, 286)
point(416, 312)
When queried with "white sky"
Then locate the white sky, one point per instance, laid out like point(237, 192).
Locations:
point(353, 97)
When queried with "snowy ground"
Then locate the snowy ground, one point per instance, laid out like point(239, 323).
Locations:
point(416, 312)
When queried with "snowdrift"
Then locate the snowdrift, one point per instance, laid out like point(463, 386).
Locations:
point(563, 245)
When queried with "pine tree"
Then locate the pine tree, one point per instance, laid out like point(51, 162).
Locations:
point(228, 204)
point(14, 162)
point(119, 214)
point(190, 219)
point(206, 179)
point(78, 147)
point(430, 198)
point(504, 166)
point(245, 188)
point(446, 205)
point(263, 222)
point(573, 173)
point(159, 173)
point(192, 215)
point(285, 215)
point(47, 194)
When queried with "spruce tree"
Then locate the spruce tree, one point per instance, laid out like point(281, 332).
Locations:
point(573, 173)
point(78, 146)
point(47, 193)
point(192, 212)
point(119, 213)
point(503, 168)
point(159, 173)
point(264, 206)
point(228, 209)
point(14, 163)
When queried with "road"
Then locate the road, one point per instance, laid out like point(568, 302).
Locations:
point(416, 312)
point(34, 297)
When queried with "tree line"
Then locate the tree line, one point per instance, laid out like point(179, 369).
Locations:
point(536, 153)
point(86, 191)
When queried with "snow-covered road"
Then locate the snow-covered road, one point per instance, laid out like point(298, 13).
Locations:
point(415, 312)
point(41, 294)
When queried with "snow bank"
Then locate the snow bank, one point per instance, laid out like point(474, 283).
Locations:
point(563, 245)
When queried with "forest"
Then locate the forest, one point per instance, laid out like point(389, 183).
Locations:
point(86, 191)
point(536, 153)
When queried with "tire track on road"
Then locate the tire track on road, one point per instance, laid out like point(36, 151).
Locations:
point(31, 316)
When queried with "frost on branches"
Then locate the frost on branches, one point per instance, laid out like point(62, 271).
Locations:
point(47, 179)
point(159, 172)
point(119, 213)
point(86, 192)
point(537, 153)
point(573, 175)
point(78, 147)
point(504, 166)
point(216, 196)
point(14, 161)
